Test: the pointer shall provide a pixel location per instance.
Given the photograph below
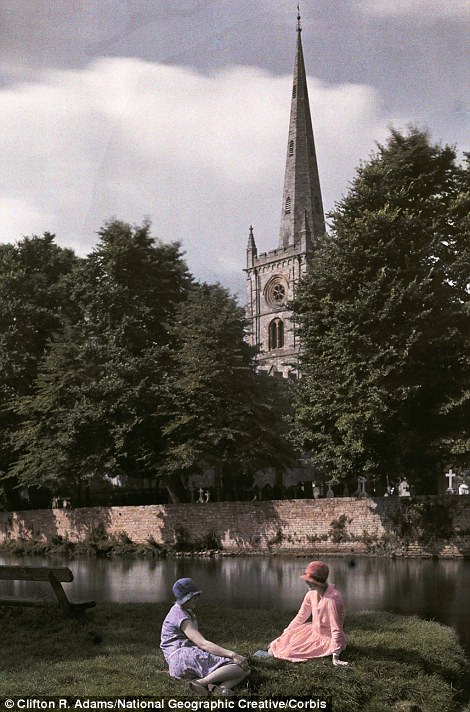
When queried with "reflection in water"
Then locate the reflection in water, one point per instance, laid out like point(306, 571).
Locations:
point(431, 589)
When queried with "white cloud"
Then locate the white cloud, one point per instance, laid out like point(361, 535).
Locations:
point(423, 10)
point(202, 156)
point(20, 217)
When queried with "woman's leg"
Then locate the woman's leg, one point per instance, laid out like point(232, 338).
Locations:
point(226, 676)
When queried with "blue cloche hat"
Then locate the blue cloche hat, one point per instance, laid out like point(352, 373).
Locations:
point(184, 589)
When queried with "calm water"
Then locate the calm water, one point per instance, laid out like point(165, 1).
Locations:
point(436, 590)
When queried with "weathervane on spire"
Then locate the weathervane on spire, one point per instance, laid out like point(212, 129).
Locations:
point(299, 26)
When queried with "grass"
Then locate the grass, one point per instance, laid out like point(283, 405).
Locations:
point(398, 664)
point(96, 543)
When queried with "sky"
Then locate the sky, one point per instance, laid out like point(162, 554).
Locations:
point(177, 111)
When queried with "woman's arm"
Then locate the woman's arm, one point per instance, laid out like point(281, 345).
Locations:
point(303, 614)
point(191, 632)
point(336, 626)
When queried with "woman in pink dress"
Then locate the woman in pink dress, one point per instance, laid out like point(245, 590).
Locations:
point(317, 629)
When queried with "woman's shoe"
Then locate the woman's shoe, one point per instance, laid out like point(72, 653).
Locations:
point(221, 691)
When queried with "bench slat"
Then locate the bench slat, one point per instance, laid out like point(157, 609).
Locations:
point(81, 605)
point(34, 573)
point(15, 601)
point(40, 602)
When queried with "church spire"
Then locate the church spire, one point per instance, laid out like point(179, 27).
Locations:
point(302, 200)
point(251, 250)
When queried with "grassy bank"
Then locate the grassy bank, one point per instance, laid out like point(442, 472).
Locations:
point(397, 663)
point(98, 543)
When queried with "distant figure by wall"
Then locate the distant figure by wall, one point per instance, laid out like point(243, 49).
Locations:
point(404, 488)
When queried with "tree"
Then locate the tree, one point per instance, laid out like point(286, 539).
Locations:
point(34, 301)
point(221, 415)
point(384, 320)
point(94, 412)
point(96, 408)
point(128, 287)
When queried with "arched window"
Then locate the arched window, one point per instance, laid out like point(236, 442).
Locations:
point(276, 334)
point(291, 148)
point(287, 205)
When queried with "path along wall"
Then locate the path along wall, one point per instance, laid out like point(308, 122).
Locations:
point(421, 526)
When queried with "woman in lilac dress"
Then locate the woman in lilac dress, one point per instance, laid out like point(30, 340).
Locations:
point(209, 667)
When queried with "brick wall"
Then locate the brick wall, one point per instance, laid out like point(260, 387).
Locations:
point(336, 525)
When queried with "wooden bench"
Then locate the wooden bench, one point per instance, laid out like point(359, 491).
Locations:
point(54, 575)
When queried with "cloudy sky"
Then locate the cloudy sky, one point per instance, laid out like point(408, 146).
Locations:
point(177, 110)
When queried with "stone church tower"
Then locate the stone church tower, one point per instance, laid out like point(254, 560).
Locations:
point(272, 276)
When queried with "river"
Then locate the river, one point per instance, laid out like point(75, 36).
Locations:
point(435, 590)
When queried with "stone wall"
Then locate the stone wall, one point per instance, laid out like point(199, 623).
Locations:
point(420, 526)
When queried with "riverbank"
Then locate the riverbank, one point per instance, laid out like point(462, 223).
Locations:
point(397, 663)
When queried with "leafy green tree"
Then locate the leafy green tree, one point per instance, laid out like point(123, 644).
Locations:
point(456, 441)
point(128, 287)
point(95, 412)
point(221, 414)
point(384, 319)
point(34, 301)
point(96, 409)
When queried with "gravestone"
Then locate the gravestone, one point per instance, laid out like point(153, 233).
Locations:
point(361, 486)
point(450, 476)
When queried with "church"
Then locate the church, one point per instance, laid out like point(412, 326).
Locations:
point(272, 276)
